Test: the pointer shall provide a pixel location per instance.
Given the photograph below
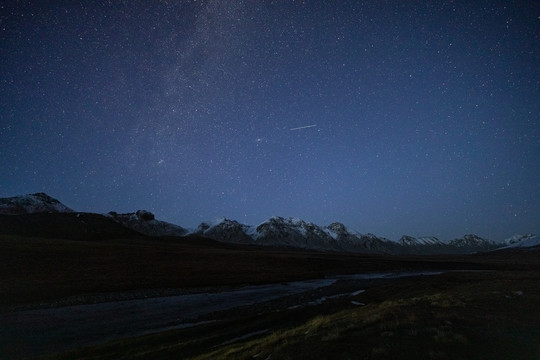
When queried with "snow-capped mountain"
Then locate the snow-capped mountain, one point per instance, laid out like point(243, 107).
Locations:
point(473, 242)
point(225, 230)
point(32, 203)
point(276, 231)
point(294, 232)
point(421, 245)
point(297, 233)
point(350, 240)
point(522, 241)
point(431, 245)
point(291, 232)
point(144, 222)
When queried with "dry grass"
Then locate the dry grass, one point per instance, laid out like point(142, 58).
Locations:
point(458, 316)
point(37, 270)
point(480, 319)
point(487, 315)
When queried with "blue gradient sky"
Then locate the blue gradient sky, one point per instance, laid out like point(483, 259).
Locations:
point(427, 113)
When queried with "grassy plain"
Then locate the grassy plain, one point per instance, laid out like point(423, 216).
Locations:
point(457, 315)
point(35, 270)
point(453, 316)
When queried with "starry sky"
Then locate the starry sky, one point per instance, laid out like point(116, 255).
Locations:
point(393, 117)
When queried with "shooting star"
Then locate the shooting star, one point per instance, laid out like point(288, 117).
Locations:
point(302, 127)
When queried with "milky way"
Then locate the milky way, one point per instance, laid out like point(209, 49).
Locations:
point(408, 117)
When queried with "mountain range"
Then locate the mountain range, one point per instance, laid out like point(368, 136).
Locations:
point(40, 214)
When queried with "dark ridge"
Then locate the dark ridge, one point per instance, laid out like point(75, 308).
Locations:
point(73, 226)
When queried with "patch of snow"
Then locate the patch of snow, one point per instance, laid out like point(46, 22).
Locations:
point(527, 240)
point(429, 240)
point(331, 233)
point(298, 224)
point(407, 240)
point(251, 230)
point(217, 222)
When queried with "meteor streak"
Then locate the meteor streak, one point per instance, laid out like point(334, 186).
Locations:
point(302, 127)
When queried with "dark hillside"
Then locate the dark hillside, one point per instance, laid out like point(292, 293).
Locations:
point(74, 226)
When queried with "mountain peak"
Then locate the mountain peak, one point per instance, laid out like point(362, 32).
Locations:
point(32, 203)
point(145, 222)
point(223, 229)
point(473, 240)
point(337, 227)
point(292, 232)
point(525, 240)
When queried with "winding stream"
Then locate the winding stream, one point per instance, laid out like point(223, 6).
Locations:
point(49, 330)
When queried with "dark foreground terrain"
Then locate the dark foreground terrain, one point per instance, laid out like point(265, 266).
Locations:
point(478, 307)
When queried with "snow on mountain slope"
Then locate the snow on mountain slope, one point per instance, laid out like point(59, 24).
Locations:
point(407, 240)
point(225, 230)
point(32, 203)
point(526, 240)
point(474, 242)
point(293, 232)
point(278, 231)
point(339, 232)
point(144, 222)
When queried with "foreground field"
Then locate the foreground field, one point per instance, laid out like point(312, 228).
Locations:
point(37, 270)
point(489, 311)
point(488, 315)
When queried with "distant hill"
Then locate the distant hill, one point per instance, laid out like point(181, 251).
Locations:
point(32, 203)
point(522, 241)
point(294, 232)
point(76, 226)
point(41, 215)
point(145, 222)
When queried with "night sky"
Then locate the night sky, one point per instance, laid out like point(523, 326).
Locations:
point(393, 117)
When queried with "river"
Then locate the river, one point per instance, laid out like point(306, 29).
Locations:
point(42, 331)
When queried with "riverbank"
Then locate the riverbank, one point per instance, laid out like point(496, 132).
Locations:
point(51, 328)
point(36, 271)
point(59, 294)
point(457, 315)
